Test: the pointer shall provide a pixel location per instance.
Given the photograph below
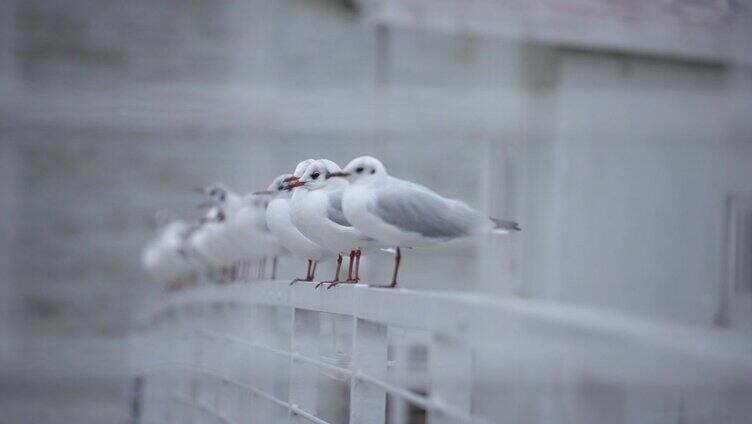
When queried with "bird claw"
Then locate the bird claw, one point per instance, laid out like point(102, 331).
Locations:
point(352, 281)
point(298, 279)
point(335, 282)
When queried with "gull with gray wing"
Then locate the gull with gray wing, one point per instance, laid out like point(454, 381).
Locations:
point(316, 210)
point(405, 214)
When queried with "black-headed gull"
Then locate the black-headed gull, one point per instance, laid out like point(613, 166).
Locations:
point(249, 231)
point(316, 210)
point(280, 223)
point(221, 195)
point(405, 214)
point(208, 241)
point(245, 233)
point(162, 258)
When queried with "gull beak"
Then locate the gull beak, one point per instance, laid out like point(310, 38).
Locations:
point(258, 193)
point(199, 190)
point(288, 179)
point(296, 183)
point(339, 174)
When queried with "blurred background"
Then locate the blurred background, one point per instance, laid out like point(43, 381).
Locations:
point(617, 133)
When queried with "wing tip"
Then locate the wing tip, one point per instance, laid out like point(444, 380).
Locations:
point(504, 225)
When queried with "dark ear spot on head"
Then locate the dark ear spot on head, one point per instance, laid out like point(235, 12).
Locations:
point(373, 171)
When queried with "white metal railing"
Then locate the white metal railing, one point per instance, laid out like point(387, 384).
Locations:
point(267, 352)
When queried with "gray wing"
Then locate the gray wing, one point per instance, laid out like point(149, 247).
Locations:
point(334, 209)
point(415, 209)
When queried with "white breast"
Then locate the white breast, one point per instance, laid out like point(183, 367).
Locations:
point(309, 215)
point(279, 220)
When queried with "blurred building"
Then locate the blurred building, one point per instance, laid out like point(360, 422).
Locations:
point(622, 146)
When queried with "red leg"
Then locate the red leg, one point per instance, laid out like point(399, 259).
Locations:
point(336, 275)
point(309, 276)
point(274, 268)
point(350, 267)
point(357, 265)
point(354, 263)
point(397, 259)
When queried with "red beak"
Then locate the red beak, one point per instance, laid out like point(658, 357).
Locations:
point(296, 183)
point(288, 179)
point(256, 193)
point(339, 174)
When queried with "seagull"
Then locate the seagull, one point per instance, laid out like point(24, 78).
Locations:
point(405, 214)
point(221, 195)
point(246, 235)
point(162, 259)
point(316, 210)
point(280, 223)
point(249, 232)
point(209, 241)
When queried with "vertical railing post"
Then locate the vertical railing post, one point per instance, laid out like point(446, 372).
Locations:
point(137, 393)
point(183, 355)
point(197, 361)
point(369, 356)
point(398, 407)
point(305, 335)
point(450, 364)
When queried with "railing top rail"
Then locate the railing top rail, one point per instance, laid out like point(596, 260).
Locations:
point(490, 322)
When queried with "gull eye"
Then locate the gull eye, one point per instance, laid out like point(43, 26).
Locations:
point(315, 175)
point(359, 169)
point(280, 187)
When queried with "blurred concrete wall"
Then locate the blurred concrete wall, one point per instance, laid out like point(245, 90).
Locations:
point(115, 110)
point(616, 166)
point(647, 155)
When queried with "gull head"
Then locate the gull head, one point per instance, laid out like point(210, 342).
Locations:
point(279, 186)
point(316, 175)
point(363, 170)
point(217, 191)
point(299, 170)
point(301, 167)
point(215, 214)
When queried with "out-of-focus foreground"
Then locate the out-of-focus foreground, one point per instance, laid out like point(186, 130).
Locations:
point(617, 133)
